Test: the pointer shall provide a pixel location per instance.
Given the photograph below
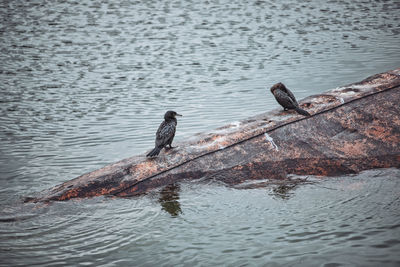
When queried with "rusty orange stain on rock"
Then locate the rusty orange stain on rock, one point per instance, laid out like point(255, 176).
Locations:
point(350, 149)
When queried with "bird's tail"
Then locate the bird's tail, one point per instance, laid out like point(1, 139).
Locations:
point(154, 152)
point(302, 111)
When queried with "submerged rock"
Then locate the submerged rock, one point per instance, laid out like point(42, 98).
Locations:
point(351, 128)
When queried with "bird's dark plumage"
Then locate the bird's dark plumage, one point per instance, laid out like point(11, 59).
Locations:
point(286, 98)
point(165, 133)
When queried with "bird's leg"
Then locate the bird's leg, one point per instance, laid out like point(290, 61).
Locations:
point(170, 147)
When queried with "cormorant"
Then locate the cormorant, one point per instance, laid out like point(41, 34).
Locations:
point(165, 133)
point(286, 98)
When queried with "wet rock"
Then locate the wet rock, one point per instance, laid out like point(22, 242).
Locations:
point(351, 128)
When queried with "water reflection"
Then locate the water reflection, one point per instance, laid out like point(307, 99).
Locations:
point(282, 189)
point(169, 199)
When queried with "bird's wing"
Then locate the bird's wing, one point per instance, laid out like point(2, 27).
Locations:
point(284, 99)
point(164, 133)
point(291, 95)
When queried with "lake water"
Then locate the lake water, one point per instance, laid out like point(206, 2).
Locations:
point(86, 83)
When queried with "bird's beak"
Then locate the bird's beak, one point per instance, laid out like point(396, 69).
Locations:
point(178, 115)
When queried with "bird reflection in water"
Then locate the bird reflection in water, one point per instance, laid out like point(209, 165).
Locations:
point(169, 199)
point(286, 188)
point(283, 191)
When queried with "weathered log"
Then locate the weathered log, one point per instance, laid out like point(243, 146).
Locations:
point(352, 128)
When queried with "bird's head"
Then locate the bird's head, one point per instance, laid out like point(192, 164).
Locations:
point(169, 115)
point(276, 86)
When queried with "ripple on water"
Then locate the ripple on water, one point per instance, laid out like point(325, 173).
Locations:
point(202, 222)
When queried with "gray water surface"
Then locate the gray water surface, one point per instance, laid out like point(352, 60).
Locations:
point(86, 83)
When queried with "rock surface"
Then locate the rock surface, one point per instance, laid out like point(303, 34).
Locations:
point(351, 128)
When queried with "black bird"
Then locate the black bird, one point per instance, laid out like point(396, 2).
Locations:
point(286, 98)
point(165, 133)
